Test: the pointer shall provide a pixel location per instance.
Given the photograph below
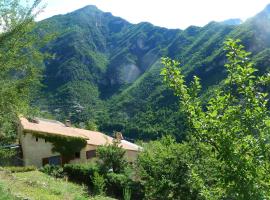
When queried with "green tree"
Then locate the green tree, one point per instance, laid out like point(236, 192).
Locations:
point(164, 170)
point(112, 157)
point(21, 63)
point(233, 126)
point(20, 60)
point(91, 125)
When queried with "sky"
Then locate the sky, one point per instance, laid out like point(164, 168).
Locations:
point(165, 13)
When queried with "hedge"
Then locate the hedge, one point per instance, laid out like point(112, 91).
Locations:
point(81, 173)
point(117, 183)
point(20, 169)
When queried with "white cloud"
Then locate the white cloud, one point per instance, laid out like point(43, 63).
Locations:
point(166, 13)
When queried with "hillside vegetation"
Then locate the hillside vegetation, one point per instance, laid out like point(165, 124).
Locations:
point(37, 185)
point(105, 70)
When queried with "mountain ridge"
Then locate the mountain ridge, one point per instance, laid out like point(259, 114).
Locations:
point(106, 70)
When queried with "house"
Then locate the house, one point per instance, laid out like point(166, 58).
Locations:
point(39, 137)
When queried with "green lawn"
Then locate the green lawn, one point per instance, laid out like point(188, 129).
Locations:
point(35, 185)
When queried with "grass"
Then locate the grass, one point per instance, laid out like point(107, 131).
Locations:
point(36, 185)
point(4, 194)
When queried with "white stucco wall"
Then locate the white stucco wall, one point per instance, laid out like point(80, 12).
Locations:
point(34, 151)
point(83, 158)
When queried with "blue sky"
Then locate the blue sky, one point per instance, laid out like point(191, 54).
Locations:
point(165, 13)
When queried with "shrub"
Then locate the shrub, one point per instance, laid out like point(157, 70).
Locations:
point(80, 173)
point(127, 193)
point(115, 183)
point(164, 171)
point(99, 184)
point(118, 184)
point(53, 170)
point(20, 169)
point(6, 156)
point(112, 157)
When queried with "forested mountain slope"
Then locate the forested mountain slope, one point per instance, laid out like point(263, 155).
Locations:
point(106, 70)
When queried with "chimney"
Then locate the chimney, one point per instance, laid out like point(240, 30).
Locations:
point(33, 120)
point(68, 123)
point(118, 136)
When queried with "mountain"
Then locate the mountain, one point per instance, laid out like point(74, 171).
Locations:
point(232, 21)
point(105, 70)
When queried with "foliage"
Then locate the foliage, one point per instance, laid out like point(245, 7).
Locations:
point(127, 193)
point(98, 183)
point(66, 146)
point(164, 170)
point(101, 198)
point(20, 60)
point(115, 183)
point(53, 170)
point(124, 184)
point(234, 124)
point(103, 181)
point(37, 185)
point(91, 125)
point(5, 156)
point(14, 169)
point(81, 173)
point(112, 157)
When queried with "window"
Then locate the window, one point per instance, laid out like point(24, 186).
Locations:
point(36, 139)
point(77, 155)
point(91, 154)
point(54, 160)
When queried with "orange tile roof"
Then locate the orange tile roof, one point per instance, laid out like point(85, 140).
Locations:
point(58, 128)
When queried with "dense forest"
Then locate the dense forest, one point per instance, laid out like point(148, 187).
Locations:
point(105, 71)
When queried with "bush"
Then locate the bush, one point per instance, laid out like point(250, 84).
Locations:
point(99, 184)
point(6, 156)
point(53, 170)
point(20, 169)
point(116, 183)
point(119, 185)
point(164, 170)
point(112, 157)
point(80, 173)
point(127, 193)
